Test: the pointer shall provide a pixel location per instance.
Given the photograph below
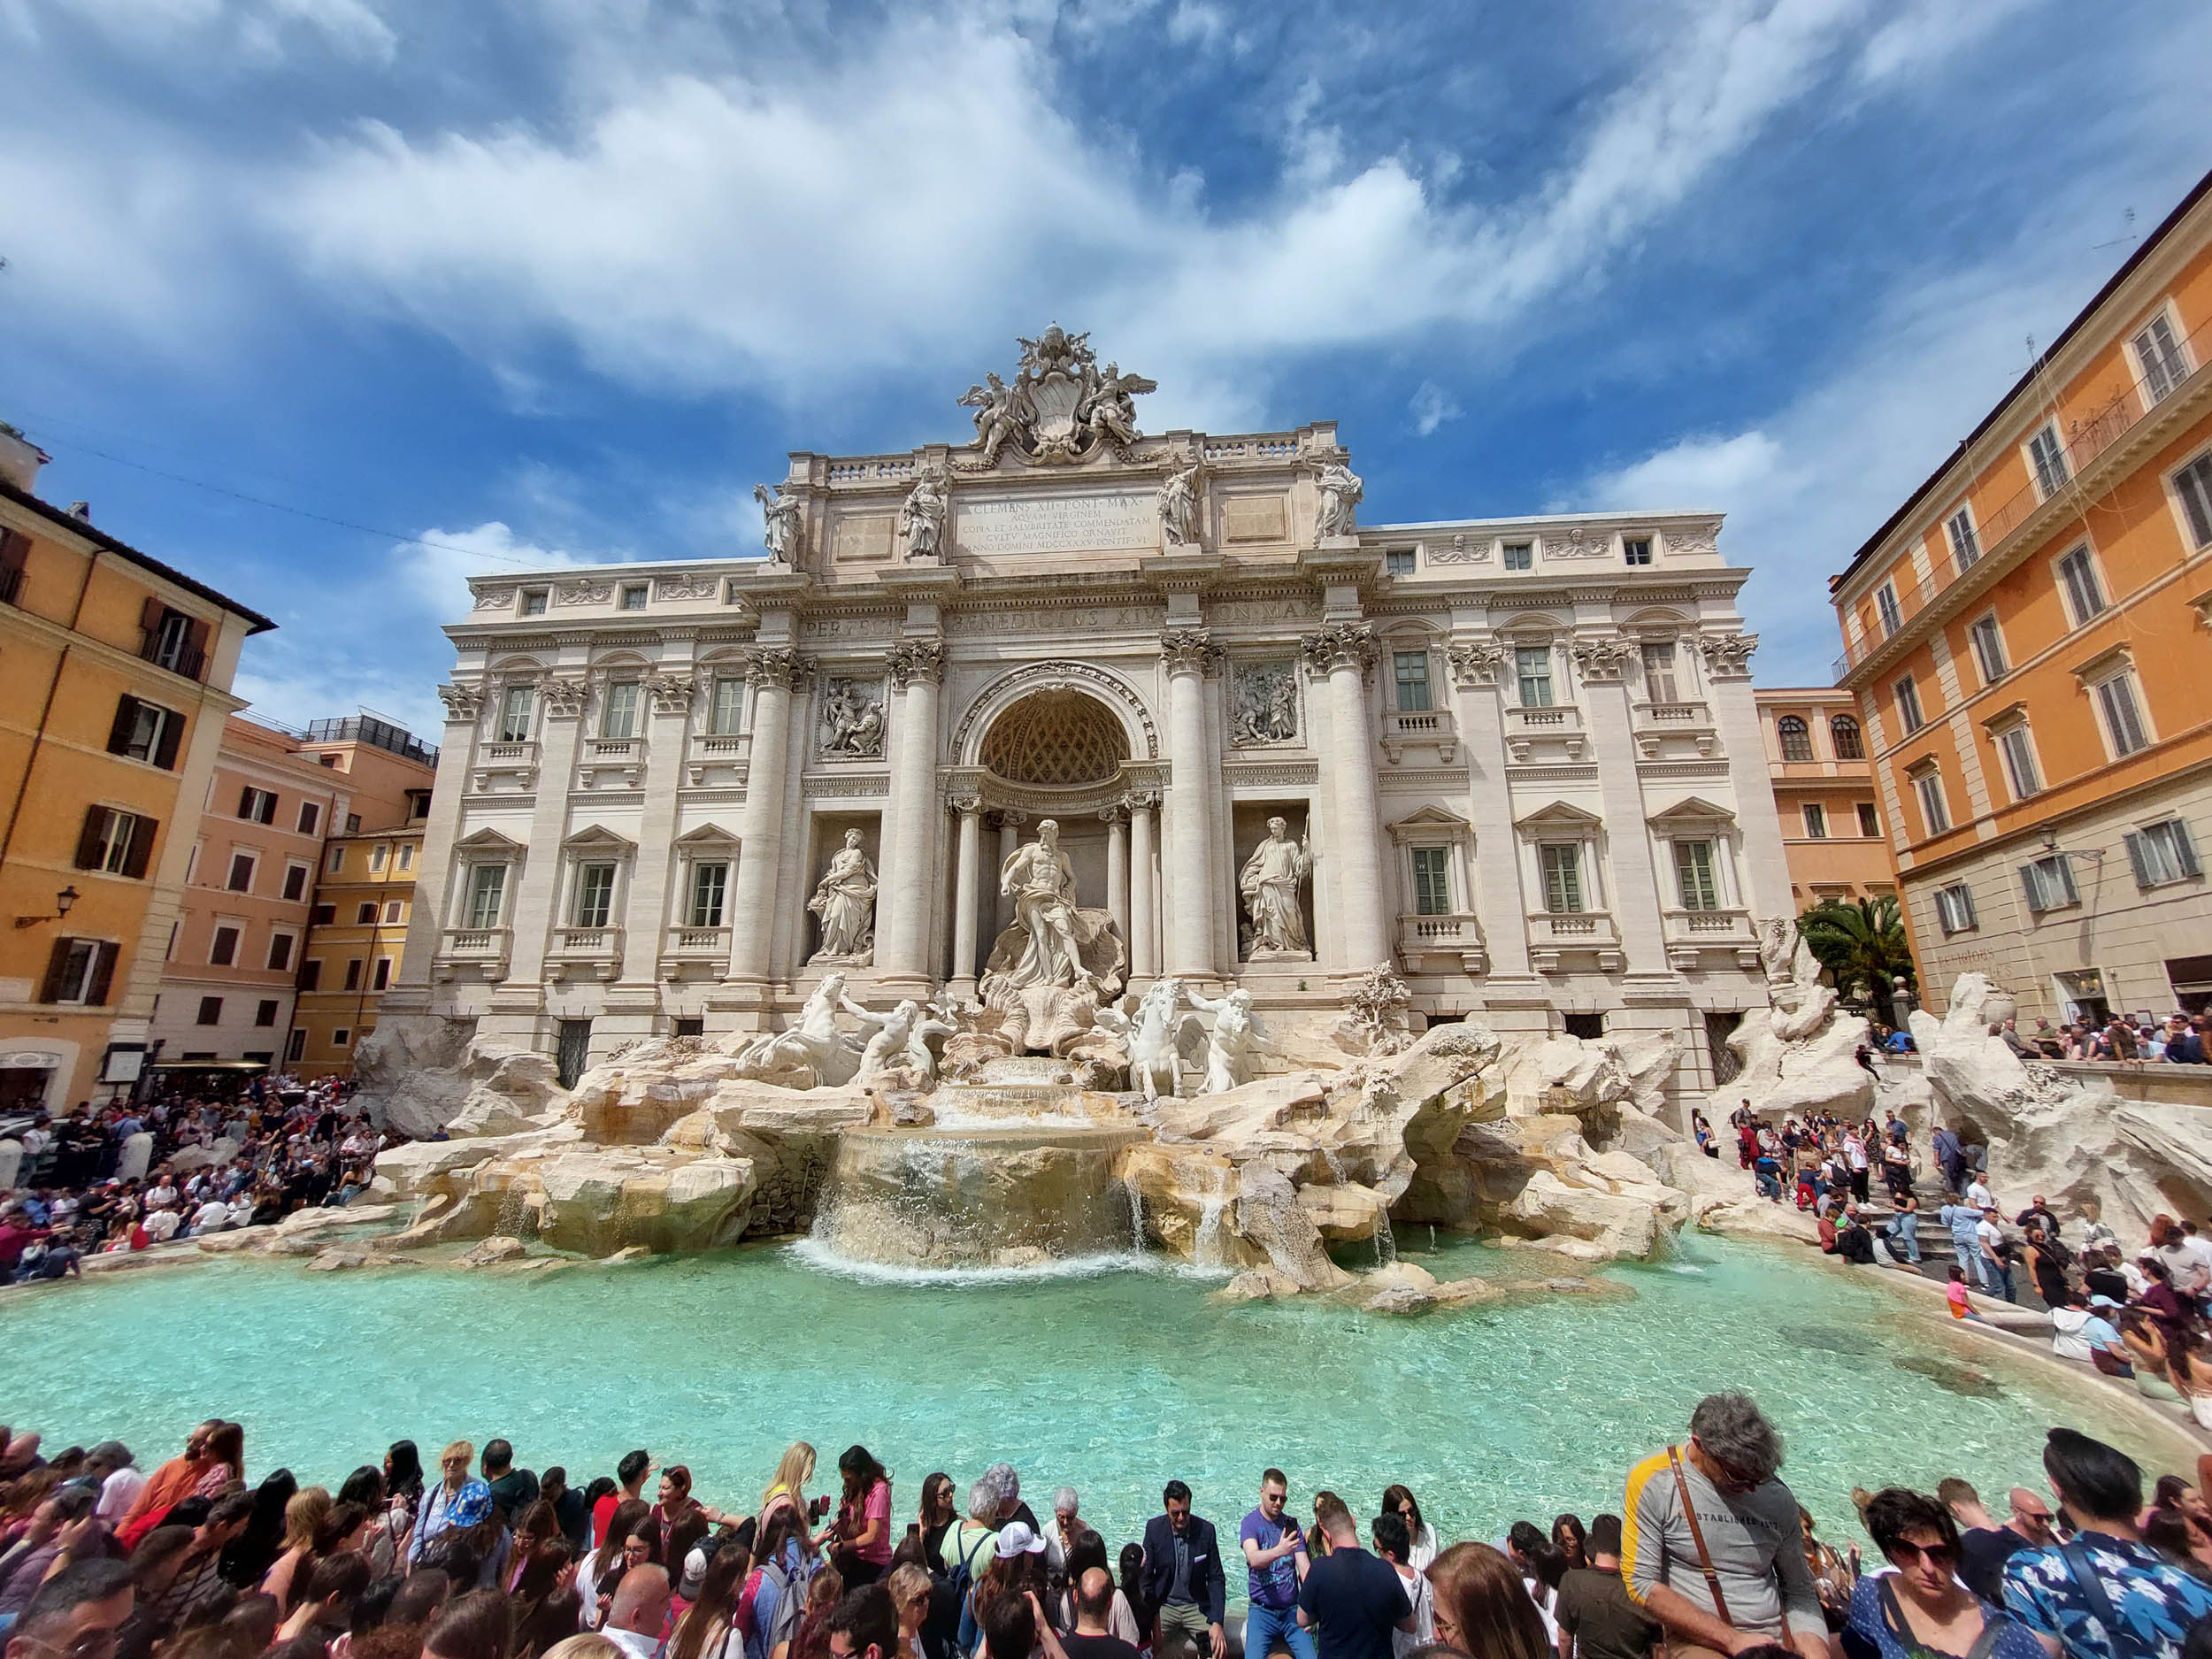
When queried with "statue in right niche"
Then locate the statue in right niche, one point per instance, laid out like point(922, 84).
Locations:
point(1268, 884)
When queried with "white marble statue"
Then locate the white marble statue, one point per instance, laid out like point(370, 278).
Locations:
point(1236, 1032)
point(1001, 413)
point(780, 527)
point(852, 721)
point(1041, 881)
point(887, 1048)
point(1267, 704)
point(1341, 490)
point(845, 900)
point(814, 1053)
point(934, 1021)
point(1178, 506)
point(1268, 883)
point(1157, 1041)
point(922, 519)
point(1109, 410)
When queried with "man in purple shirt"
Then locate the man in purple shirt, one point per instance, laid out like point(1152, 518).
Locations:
point(1275, 1554)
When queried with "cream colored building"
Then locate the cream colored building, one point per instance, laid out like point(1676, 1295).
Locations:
point(1523, 753)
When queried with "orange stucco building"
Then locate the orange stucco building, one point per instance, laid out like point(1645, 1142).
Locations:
point(115, 673)
point(1823, 795)
point(2027, 642)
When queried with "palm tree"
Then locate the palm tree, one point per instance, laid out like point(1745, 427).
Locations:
point(1861, 943)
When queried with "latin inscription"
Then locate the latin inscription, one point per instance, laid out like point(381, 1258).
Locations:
point(1057, 524)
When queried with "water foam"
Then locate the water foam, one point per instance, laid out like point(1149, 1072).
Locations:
point(821, 1257)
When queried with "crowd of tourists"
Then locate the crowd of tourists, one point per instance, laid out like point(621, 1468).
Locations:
point(1707, 1553)
point(128, 1176)
point(2180, 1039)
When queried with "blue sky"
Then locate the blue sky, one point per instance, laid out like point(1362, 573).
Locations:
point(530, 283)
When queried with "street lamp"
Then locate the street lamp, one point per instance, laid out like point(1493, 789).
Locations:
point(62, 900)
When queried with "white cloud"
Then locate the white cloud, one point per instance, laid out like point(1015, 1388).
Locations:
point(1432, 407)
point(261, 32)
point(1695, 471)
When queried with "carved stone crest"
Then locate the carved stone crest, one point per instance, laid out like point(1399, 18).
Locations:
point(494, 598)
point(686, 587)
point(1060, 408)
point(583, 591)
point(1266, 705)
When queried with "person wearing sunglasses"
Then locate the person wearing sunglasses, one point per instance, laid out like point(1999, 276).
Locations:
point(75, 1614)
point(1921, 1611)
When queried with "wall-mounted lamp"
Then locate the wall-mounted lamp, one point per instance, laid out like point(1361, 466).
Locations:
point(2050, 838)
point(62, 900)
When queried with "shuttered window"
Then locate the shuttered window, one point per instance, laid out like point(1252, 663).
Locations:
point(2194, 485)
point(79, 971)
point(1954, 908)
point(2161, 853)
point(2123, 717)
point(146, 731)
point(1694, 876)
point(1563, 877)
point(115, 843)
point(1431, 881)
point(2048, 883)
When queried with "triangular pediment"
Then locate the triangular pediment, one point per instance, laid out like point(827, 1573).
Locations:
point(1695, 810)
point(488, 841)
point(708, 835)
point(1431, 820)
point(599, 837)
point(1559, 815)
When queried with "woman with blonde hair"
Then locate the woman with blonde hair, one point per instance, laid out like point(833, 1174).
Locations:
point(590, 1645)
point(1482, 1606)
point(788, 1490)
point(910, 1587)
point(303, 1512)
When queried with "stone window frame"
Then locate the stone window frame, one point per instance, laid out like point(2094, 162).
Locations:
point(1434, 826)
point(1698, 819)
point(1995, 627)
point(484, 847)
point(1950, 901)
point(709, 844)
point(1920, 777)
point(2177, 337)
point(2189, 495)
point(1561, 823)
point(593, 844)
point(2116, 666)
point(2006, 723)
point(1803, 733)
point(2077, 617)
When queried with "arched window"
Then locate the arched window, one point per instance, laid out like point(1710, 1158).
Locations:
point(1843, 732)
point(1797, 741)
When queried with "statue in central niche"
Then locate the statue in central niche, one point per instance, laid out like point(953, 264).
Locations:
point(1051, 970)
point(1041, 881)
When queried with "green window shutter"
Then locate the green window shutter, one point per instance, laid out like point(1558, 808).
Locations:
point(2186, 849)
point(2138, 858)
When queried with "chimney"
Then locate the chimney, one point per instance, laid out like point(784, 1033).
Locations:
point(19, 458)
point(80, 510)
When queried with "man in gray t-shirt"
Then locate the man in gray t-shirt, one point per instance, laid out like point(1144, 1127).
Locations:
point(1748, 1521)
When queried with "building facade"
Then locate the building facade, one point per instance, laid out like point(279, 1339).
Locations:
point(2026, 639)
point(115, 673)
point(355, 945)
point(1824, 797)
point(1522, 756)
point(234, 953)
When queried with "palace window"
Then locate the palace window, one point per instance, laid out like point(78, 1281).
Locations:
point(618, 720)
point(533, 600)
point(1958, 529)
point(1520, 555)
point(1886, 603)
point(295, 882)
point(1398, 562)
point(147, 732)
point(310, 818)
point(279, 952)
point(1410, 670)
point(1431, 881)
point(2194, 485)
point(1843, 736)
point(1989, 648)
point(2160, 853)
point(710, 885)
point(634, 595)
point(2121, 714)
point(2047, 456)
point(257, 806)
point(2085, 594)
point(1694, 876)
point(2163, 367)
point(595, 895)
point(1909, 713)
point(312, 974)
point(1533, 664)
point(382, 979)
point(379, 854)
point(727, 711)
point(364, 914)
point(2021, 771)
point(337, 862)
point(80, 970)
point(353, 973)
point(1562, 866)
point(486, 896)
point(1815, 821)
point(1870, 821)
point(1935, 813)
point(2048, 883)
point(1954, 908)
point(224, 949)
point(1797, 738)
point(265, 1013)
point(242, 869)
point(1660, 685)
point(115, 843)
point(1636, 550)
point(515, 708)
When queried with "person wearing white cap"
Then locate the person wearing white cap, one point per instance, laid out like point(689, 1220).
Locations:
point(2083, 1333)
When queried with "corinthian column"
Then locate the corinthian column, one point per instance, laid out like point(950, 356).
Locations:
point(967, 894)
point(753, 909)
point(1144, 916)
point(902, 942)
point(1190, 654)
point(1345, 652)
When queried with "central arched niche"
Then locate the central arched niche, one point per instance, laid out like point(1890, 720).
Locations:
point(1056, 739)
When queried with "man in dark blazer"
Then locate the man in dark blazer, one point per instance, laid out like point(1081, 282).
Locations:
point(1182, 1570)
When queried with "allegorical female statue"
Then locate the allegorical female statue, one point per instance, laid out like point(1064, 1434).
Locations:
point(1268, 883)
point(845, 899)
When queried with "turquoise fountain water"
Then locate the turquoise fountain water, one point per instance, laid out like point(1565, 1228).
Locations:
point(1112, 1380)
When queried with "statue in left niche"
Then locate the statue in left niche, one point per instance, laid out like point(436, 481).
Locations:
point(922, 519)
point(845, 901)
point(783, 530)
point(852, 721)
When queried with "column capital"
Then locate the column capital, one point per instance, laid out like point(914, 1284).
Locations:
point(1140, 800)
point(563, 697)
point(1728, 655)
point(1012, 817)
point(912, 660)
point(1476, 663)
point(1110, 814)
point(968, 803)
point(1341, 645)
point(1190, 650)
point(1602, 660)
point(785, 670)
point(463, 704)
point(671, 693)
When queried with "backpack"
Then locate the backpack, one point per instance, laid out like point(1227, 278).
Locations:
point(783, 1625)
